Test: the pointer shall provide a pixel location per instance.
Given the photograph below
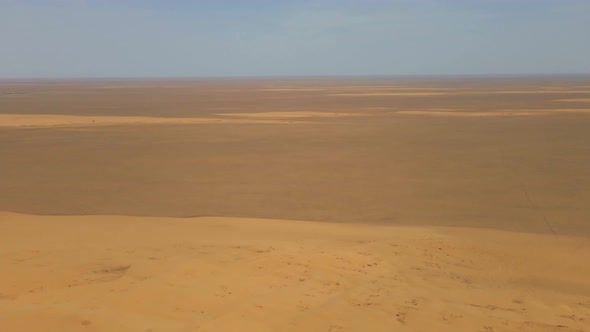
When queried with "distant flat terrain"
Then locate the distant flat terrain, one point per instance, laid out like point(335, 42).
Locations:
point(511, 154)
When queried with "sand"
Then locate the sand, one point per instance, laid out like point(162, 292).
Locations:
point(576, 100)
point(52, 120)
point(361, 88)
point(458, 92)
point(113, 273)
point(294, 115)
point(46, 120)
point(388, 94)
point(469, 113)
point(475, 166)
point(185, 206)
point(291, 89)
point(558, 91)
point(494, 113)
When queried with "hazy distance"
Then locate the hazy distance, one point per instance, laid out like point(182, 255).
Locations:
point(228, 38)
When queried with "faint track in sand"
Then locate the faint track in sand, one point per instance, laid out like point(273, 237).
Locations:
point(525, 189)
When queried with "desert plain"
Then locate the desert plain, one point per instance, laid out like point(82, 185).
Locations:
point(360, 204)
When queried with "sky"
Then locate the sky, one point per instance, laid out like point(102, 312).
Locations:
point(249, 38)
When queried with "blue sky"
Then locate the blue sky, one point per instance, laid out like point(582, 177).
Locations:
point(203, 38)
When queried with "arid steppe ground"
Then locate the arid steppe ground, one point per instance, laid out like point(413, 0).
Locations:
point(295, 205)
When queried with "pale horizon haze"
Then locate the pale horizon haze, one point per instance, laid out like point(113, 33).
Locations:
point(230, 38)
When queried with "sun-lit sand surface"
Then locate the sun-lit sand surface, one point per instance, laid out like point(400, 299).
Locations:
point(385, 94)
point(493, 113)
point(184, 206)
point(112, 273)
point(295, 115)
point(576, 100)
point(477, 92)
point(469, 113)
point(360, 88)
point(291, 89)
point(560, 91)
point(43, 120)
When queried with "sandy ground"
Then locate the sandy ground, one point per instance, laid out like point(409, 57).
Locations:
point(576, 100)
point(387, 94)
point(295, 114)
point(56, 120)
point(111, 273)
point(52, 120)
point(493, 113)
point(449, 205)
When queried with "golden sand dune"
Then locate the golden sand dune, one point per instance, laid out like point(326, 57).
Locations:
point(51, 120)
point(302, 114)
point(542, 91)
point(468, 113)
point(359, 88)
point(332, 87)
point(577, 100)
point(111, 273)
point(291, 89)
point(153, 86)
point(406, 93)
point(450, 113)
point(386, 94)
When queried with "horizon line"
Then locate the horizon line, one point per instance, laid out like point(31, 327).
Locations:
point(342, 76)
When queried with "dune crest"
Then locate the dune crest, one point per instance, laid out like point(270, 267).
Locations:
point(113, 273)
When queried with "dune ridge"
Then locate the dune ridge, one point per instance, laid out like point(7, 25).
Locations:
point(114, 273)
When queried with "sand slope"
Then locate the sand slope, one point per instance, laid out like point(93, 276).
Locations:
point(112, 273)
